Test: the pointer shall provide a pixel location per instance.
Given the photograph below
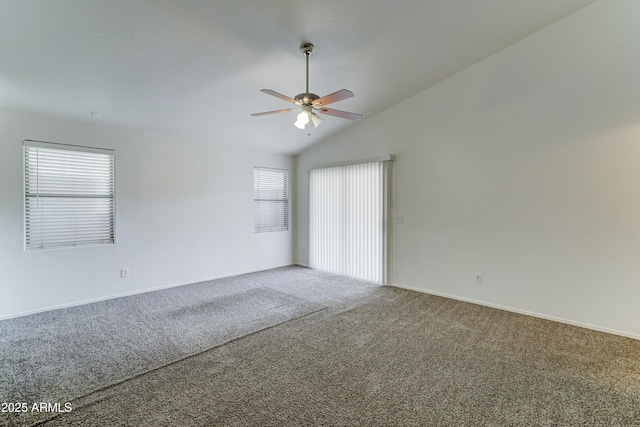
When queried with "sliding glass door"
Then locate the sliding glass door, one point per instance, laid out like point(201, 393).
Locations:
point(348, 220)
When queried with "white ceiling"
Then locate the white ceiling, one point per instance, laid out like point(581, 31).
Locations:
point(194, 68)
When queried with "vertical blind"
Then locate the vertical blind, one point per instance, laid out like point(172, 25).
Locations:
point(346, 220)
point(69, 195)
point(270, 199)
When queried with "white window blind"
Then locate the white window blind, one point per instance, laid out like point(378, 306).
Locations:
point(69, 195)
point(346, 220)
point(270, 199)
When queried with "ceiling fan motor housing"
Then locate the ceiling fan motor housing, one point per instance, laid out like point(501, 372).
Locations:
point(306, 98)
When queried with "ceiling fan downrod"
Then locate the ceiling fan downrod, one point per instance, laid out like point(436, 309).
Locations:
point(307, 48)
point(306, 98)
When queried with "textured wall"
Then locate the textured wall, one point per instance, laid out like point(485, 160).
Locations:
point(525, 168)
point(184, 214)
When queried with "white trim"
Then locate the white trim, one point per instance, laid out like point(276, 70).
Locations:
point(132, 293)
point(384, 158)
point(263, 168)
point(519, 311)
point(58, 146)
point(387, 234)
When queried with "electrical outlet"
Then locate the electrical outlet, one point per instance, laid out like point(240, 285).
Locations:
point(124, 273)
point(478, 278)
point(399, 220)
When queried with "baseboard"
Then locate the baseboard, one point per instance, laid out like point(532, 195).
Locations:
point(301, 264)
point(132, 293)
point(519, 311)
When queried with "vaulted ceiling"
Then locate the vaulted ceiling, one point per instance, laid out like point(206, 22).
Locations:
point(194, 68)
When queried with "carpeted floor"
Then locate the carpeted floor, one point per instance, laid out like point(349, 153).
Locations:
point(336, 351)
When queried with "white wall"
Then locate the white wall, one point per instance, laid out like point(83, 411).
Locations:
point(525, 167)
point(184, 213)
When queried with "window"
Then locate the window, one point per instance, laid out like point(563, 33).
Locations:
point(348, 219)
point(270, 199)
point(69, 195)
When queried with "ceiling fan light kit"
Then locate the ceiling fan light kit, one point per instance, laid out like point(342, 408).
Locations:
point(309, 103)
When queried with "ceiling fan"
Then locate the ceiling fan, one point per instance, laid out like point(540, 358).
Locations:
point(309, 103)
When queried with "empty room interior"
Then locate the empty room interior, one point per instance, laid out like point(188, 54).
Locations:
point(299, 213)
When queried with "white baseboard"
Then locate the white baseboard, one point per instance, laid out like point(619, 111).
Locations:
point(128, 294)
point(519, 311)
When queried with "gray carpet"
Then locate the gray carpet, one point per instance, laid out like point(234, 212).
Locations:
point(374, 356)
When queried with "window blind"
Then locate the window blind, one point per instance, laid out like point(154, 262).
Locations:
point(271, 199)
point(69, 195)
point(346, 220)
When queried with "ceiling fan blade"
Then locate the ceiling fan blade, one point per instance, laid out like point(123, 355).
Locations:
point(334, 97)
point(278, 95)
point(274, 112)
point(341, 114)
